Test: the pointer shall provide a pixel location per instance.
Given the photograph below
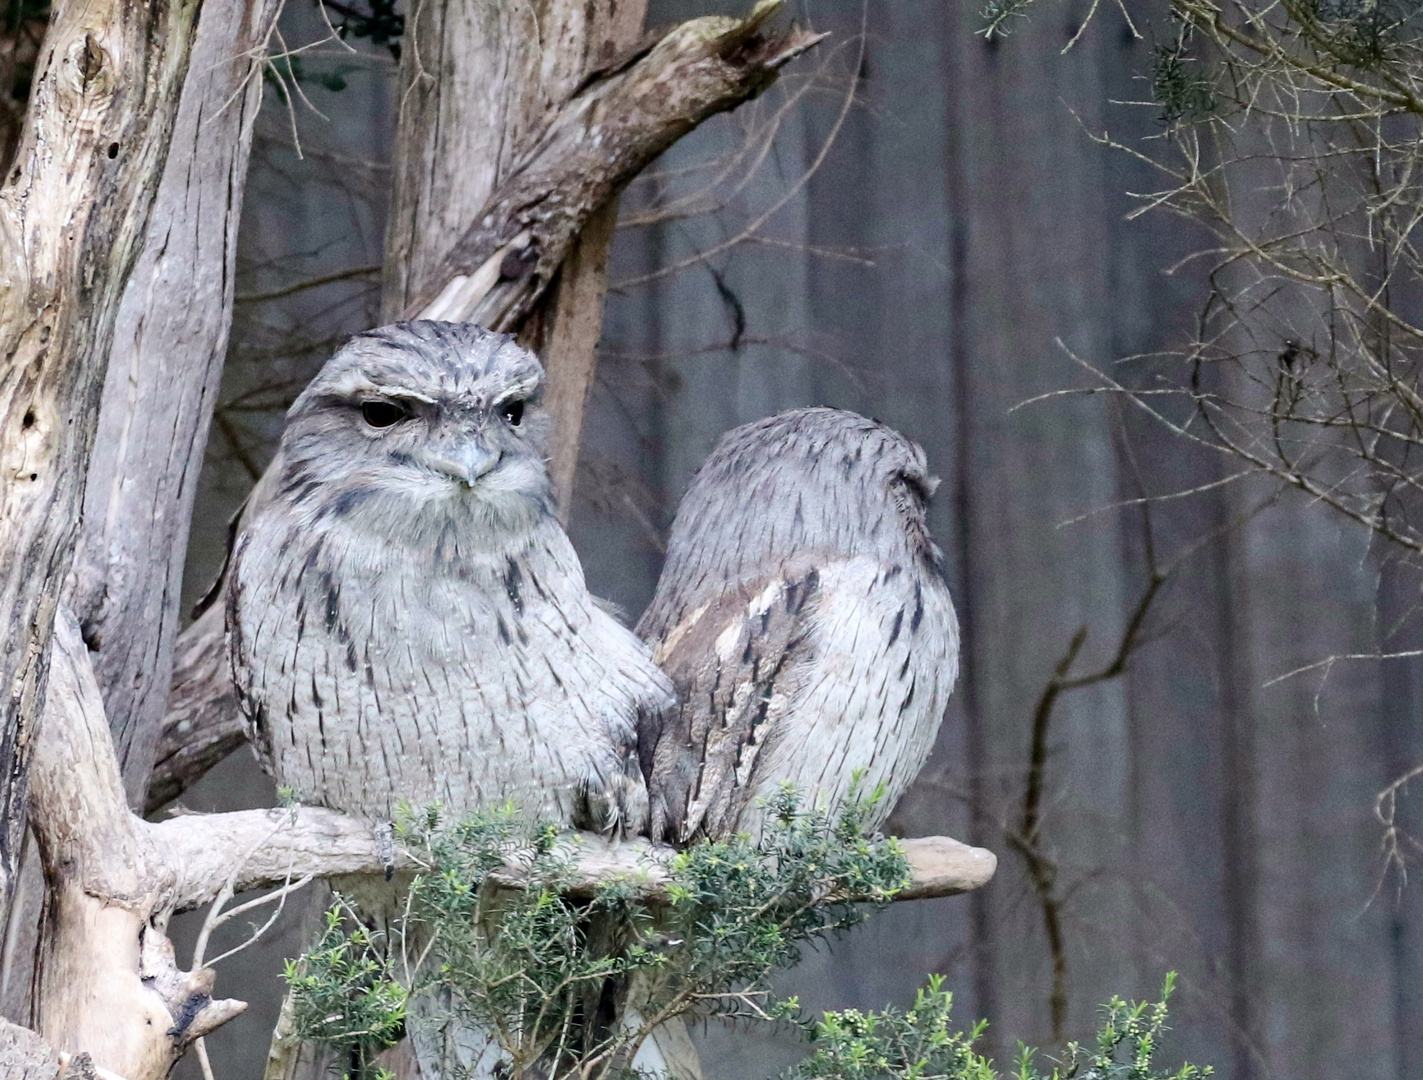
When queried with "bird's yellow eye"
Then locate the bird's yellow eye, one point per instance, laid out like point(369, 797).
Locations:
point(513, 412)
point(381, 413)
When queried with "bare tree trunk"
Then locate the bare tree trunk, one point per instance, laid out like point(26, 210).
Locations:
point(73, 211)
point(164, 368)
point(164, 371)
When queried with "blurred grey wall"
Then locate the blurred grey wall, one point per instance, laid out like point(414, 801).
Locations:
point(927, 252)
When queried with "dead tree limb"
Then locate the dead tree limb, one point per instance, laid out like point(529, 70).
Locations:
point(602, 137)
point(108, 984)
point(261, 848)
point(73, 211)
point(523, 247)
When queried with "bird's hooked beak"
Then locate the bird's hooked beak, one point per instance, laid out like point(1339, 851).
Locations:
point(466, 463)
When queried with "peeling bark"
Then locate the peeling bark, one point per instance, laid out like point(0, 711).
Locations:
point(73, 210)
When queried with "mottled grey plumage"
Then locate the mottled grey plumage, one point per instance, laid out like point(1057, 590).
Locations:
point(803, 617)
point(406, 618)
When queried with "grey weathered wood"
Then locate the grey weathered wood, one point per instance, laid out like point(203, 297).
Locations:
point(258, 848)
point(581, 134)
point(108, 984)
point(477, 81)
point(25, 1056)
point(453, 113)
point(588, 148)
point(571, 331)
point(73, 211)
point(164, 369)
point(203, 723)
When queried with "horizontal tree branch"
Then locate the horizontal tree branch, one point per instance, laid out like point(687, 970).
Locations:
point(260, 848)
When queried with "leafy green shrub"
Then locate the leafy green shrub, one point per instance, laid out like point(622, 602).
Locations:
point(570, 983)
point(918, 1045)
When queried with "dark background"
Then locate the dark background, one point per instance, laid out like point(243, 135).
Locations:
point(927, 253)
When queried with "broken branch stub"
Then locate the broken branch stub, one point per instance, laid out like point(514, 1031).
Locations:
point(107, 983)
point(605, 134)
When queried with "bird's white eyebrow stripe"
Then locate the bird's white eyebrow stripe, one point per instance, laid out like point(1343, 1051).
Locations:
point(395, 392)
point(523, 389)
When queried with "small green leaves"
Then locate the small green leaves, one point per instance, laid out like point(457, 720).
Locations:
point(1178, 84)
point(528, 964)
point(343, 990)
point(913, 1045)
point(918, 1045)
point(535, 967)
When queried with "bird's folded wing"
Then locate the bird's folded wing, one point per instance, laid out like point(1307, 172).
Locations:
point(733, 661)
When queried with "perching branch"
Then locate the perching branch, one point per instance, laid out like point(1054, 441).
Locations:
point(324, 843)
